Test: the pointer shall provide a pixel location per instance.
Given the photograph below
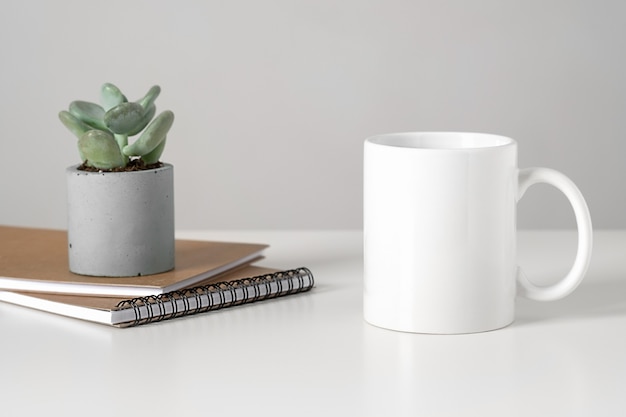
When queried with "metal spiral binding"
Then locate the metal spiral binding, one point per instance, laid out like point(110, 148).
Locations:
point(168, 306)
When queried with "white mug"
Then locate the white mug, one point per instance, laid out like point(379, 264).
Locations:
point(440, 232)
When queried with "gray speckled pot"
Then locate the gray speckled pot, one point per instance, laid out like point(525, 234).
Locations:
point(121, 223)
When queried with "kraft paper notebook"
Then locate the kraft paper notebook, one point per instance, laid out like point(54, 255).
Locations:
point(36, 260)
point(244, 285)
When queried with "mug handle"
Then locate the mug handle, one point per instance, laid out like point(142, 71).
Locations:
point(531, 176)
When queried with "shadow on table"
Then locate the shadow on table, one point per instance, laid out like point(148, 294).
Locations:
point(590, 300)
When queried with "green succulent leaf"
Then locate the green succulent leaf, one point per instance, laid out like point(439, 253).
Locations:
point(124, 118)
point(147, 116)
point(89, 113)
point(150, 97)
point(153, 157)
point(100, 150)
point(154, 134)
point(74, 125)
point(111, 96)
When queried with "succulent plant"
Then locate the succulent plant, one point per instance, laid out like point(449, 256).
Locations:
point(103, 130)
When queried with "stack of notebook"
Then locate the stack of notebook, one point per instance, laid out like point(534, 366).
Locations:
point(34, 272)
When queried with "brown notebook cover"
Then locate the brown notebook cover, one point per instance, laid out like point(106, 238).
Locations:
point(36, 260)
point(243, 285)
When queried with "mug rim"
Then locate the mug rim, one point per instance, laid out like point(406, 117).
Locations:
point(442, 141)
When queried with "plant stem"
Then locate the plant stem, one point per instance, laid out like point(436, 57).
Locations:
point(122, 140)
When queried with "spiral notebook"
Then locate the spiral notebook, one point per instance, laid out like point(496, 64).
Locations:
point(242, 286)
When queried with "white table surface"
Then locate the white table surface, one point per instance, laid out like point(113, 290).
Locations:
point(313, 355)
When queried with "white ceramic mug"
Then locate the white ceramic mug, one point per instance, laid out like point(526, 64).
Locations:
point(440, 232)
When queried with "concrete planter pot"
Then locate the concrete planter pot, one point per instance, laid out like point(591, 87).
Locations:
point(121, 223)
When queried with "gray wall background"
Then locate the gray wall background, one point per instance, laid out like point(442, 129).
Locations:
point(273, 99)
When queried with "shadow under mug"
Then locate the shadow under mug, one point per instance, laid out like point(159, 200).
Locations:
point(440, 232)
